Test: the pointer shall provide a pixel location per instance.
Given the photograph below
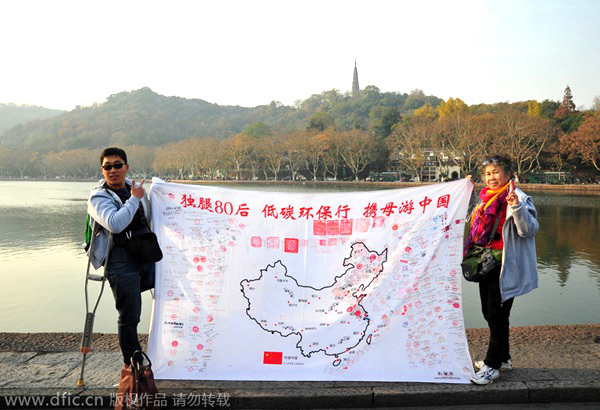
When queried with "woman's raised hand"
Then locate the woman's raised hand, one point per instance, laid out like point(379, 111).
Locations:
point(512, 198)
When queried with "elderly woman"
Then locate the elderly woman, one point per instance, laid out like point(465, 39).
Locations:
point(514, 240)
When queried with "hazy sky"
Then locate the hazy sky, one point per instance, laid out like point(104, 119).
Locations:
point(60, 54)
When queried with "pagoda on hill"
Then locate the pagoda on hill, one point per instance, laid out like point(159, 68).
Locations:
point(355, 87)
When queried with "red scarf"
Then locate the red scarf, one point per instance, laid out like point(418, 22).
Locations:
point(482, 219)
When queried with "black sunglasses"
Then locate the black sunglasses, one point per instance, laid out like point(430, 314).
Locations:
point(494, 160)
point(108, 167)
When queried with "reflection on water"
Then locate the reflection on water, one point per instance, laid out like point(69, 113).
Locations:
point(571, 232)
point(42, 265)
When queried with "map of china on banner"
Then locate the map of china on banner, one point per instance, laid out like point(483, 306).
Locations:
point(362, 286)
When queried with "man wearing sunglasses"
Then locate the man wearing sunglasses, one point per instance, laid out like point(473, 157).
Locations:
point(120, 207)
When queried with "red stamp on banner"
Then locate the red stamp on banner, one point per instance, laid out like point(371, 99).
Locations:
point(332, 241)
point(323, 242)
point(346, 227)
point(379, 222)
point(290, 245)
point(256, 241)
point(272, 242)
point(333, 227)
point(362, 225)
point(319, 228)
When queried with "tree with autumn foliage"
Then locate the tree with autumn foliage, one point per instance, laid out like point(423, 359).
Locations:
point(235, 152)
point(585, 142)
point(141, 159)
point(408, 142)
point(453, 105)
point(566, 114)
point(567, 107)
point(297, 147)
point(272, 150)
point(316, 148)
point(523, 137)
point(596, 103)
point(534, 108)
point(426, 111)
point(463, 136)
point(356, 149)
point(332, 161)
point(320, 121)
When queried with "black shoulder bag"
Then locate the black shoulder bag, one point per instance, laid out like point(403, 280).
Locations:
point(480, 260)
point(144, 247)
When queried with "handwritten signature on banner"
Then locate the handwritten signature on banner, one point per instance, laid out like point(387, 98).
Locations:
point(324, 212)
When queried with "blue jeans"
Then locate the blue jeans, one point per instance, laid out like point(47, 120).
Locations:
point(128, 280)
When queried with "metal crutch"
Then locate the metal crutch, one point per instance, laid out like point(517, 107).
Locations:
point(86, 340)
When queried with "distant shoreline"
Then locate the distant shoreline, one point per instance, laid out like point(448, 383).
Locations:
point(591, 189)
point(586, 189)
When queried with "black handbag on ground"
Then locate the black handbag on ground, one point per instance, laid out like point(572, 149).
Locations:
point(480, 260)
point(145, 247)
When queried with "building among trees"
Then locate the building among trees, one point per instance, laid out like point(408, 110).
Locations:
point(426, 165)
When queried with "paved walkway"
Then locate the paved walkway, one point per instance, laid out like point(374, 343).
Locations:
point(552, 364)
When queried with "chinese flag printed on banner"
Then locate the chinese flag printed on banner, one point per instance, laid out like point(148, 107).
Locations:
point(273, 358)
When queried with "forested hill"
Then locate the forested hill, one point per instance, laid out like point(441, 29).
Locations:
point(139, 117)
point(143, 117)
point(13, 114)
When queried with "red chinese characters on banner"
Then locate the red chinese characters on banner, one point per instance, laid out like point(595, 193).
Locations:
point(218, 206)
point(287, 212)
point(243, 210)
point(188, 201)
point(388, 209)
point(305, 213)
point(370, 210)
point(406, 207)
point(205, 204)
point(443, 201)
point(425, 202)
point(342, 211)
point(270, 211)
point(324, 212)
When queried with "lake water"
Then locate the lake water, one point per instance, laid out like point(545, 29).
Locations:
point(42, 265)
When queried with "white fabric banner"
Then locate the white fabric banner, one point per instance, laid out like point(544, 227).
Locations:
point(362, 286)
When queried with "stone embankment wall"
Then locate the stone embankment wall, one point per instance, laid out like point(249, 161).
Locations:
point(520, 335)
